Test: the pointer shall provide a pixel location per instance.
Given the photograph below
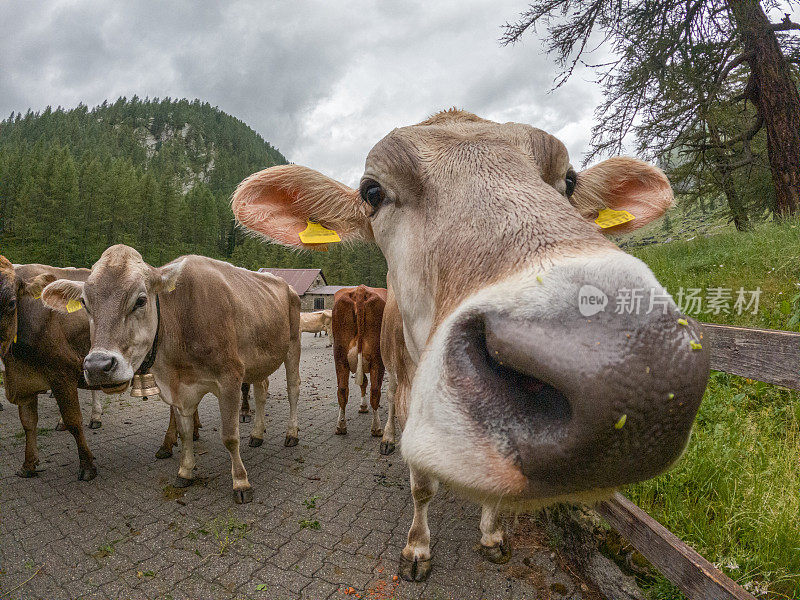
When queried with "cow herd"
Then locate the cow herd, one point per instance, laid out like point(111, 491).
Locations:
point(505, 390)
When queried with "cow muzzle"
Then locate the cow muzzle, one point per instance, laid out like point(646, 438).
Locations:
point(107, 370)
point(558, 402)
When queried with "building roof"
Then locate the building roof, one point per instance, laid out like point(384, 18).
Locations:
point(299, 279)
point(328, 289)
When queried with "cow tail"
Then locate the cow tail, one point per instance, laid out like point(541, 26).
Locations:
point(361, 327)
point(360, 370)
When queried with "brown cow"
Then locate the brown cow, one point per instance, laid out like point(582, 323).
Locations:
point(356, 322)
point(49, 354)
point(208, 327)
point(524, 375)
point(42, 351)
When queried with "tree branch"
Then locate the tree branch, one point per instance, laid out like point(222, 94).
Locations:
point(786, 24)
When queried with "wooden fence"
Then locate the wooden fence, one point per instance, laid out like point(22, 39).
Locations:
point(761, 354)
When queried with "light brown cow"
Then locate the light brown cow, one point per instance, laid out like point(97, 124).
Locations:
point(316, 322)
point(212, 327)
point(523, 373)
point(357, 314)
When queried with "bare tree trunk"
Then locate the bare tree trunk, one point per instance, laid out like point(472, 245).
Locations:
point(775, 96)
point(732, 196)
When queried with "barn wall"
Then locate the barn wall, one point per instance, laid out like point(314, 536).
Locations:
point(307, 301)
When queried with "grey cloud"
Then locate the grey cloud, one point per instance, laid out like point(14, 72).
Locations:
point(321, 81)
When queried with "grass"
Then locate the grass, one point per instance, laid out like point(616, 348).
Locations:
point(735, 496)
point(227, 531)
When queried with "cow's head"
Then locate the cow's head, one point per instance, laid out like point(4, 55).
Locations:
point(10, 290)
point(524, 389)
point(120, 299)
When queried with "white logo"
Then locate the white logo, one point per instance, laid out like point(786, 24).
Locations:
point(591, 300)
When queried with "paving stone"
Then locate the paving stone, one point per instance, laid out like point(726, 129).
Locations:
point(129, 534)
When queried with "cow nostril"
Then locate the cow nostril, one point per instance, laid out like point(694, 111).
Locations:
point(110, 364)
point(516, 392)
point(540, 400)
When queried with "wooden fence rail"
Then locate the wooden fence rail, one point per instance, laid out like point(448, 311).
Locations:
point(762, 354)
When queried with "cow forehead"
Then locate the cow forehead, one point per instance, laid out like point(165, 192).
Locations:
point(410, 151)
point(118, 267)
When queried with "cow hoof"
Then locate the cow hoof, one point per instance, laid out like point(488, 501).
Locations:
point(387, 448)
point(256, 442)
point(87, 474)
point(195, 436)
point(377, 433)
point(414, 570)
point(363, 410)
point(95, 424)
point(341, 430)
point(245, 418)
point(243, 496)
point(163, 453)
point(291, 440)
point(498, 555)
point(182, 482)
point(61, 426)
point(26, 473)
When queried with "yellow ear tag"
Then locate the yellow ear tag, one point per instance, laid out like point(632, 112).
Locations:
point(15, 339)
point(73, 305)
point(315, 233)
point(171, 287)
point(610, 218)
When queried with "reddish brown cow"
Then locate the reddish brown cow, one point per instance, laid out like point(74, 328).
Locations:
point(357, 314)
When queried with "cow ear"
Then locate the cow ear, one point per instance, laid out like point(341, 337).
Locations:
point(166, 277)
point(36, 286)
point(622, 184)
point(279, 202)
point(59, 294)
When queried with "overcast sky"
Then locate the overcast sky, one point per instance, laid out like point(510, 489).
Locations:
point(322, 81)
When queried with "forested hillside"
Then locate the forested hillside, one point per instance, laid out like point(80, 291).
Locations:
point(154, 174)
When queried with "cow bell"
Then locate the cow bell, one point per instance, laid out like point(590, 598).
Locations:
point(144, 384)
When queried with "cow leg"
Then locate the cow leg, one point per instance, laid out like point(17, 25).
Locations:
point(60, 425)
point(245, 416)
point(260, 395)
point(375, 381)
point(292, 366)
point(342, 392)
point(415, 559)
point(95, 421)
point(388, 441)
point(170, 437)
point(363, 385)
point(184, 419)
point(67, 398)
point(196, 426)
point(29, 417)
point(228, 409)
point(494, 547)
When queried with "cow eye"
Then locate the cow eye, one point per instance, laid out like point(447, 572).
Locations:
point(140, 302)
point(372, 193)
point(12, 304)
point(571, 179)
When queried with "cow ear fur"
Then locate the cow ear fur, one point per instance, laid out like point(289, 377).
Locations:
point(278, 202)
point(58, 294)
point(623, 184)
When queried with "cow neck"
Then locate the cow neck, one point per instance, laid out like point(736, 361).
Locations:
point(151, 355)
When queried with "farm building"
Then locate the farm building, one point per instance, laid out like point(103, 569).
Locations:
point(310, 285)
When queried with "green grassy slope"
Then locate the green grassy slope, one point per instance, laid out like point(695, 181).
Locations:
point(735, 496)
